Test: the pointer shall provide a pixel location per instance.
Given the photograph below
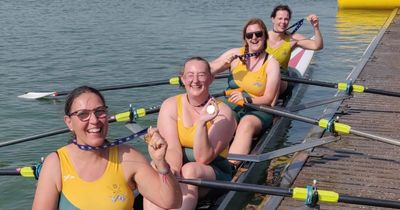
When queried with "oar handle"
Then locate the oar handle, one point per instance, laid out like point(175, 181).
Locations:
point(282, 113)
point(243, 187)
point(309, 81)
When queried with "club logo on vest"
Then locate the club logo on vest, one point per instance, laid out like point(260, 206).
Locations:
point(117, 194)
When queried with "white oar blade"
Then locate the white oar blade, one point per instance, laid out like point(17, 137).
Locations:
point(134, 127)
point(36, 95)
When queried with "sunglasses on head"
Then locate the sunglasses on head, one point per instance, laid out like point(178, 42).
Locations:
point(257, 33)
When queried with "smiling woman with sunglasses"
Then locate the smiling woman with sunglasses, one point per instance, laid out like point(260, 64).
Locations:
point(257, 75)
point(92, 174)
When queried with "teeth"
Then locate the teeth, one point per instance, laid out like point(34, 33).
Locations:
point(94, 130)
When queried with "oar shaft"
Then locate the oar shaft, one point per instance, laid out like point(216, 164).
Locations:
point(309, 82)
point(111, 119)
point(282, 113)
point(369, 201)
point(238, 187)
point(9, 172)
point(37, 136)
point(375, 137)
point(381, 92)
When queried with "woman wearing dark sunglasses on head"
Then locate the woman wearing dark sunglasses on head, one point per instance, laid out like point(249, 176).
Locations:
point(89, 173)
point(257, 75)
point(281, 42)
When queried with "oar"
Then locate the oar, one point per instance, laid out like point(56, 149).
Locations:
point(342, 86)
point(284, 151)
point(311, 104)
point(26, 171)
point(34, 170)
point(295, 193)
point(324, 123)
point(171, 81)
point(121, 117)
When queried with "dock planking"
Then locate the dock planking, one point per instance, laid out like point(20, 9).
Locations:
point(354, 165)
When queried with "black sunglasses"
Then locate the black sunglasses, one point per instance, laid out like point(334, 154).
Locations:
point(257, 33)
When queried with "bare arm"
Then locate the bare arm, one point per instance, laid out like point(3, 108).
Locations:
point(310, 44)
point(49, 185)
point(223, 62)
point(208, 144)
point(166, 124)
point(162, 190)
point(273, 83)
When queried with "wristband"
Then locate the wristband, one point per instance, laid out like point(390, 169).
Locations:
point(248, 99)
point(164, 172)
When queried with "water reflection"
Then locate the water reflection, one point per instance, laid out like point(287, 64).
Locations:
point(358, 25)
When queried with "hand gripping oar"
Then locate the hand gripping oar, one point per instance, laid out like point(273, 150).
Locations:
point(342, 86)
point(172, 81)
point(324, 123)
point(284, 151)
point(295, 193)
point(121, 117)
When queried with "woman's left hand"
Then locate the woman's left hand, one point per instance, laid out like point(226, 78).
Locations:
point(157, 146)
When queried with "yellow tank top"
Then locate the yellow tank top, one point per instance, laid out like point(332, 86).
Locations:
point(252, 82)
point(110, 191)
point(186, 134)
point(281, 53)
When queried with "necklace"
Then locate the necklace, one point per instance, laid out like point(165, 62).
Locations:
point(251, 67)
point(248, 55)
point(110, 144)
point(200, 105)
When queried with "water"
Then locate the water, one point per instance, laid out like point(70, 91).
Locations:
point(59, 45)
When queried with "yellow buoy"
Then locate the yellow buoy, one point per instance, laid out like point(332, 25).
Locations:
point(368, 4)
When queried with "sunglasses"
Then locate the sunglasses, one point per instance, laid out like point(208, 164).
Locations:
point(84, 114)
point(257, 33)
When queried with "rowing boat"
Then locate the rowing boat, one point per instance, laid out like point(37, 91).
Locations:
point(298, 65)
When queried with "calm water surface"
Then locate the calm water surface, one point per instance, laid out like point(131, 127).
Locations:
point(59, 45)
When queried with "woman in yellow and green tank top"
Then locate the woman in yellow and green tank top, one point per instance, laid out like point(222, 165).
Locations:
point(281, 43)
point(91, 173)
point(198, 130)
point(257, 75)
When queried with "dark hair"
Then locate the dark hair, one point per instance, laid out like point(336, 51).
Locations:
point(76, 93)
point(196, 58)
point(283, 7)
point(253, 21)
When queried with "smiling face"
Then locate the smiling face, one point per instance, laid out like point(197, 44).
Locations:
point(255, 35)
point(281, 21)
point(196, 77)
point(256, 42)
point(93, 131)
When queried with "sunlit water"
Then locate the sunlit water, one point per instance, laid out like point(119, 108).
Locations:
point(59, 45)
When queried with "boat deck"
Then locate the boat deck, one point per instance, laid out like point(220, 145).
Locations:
point(354, 165)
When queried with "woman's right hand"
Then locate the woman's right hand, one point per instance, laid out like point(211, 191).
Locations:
point(230, 59)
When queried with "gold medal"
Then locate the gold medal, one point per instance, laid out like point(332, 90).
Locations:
point(210, 109)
